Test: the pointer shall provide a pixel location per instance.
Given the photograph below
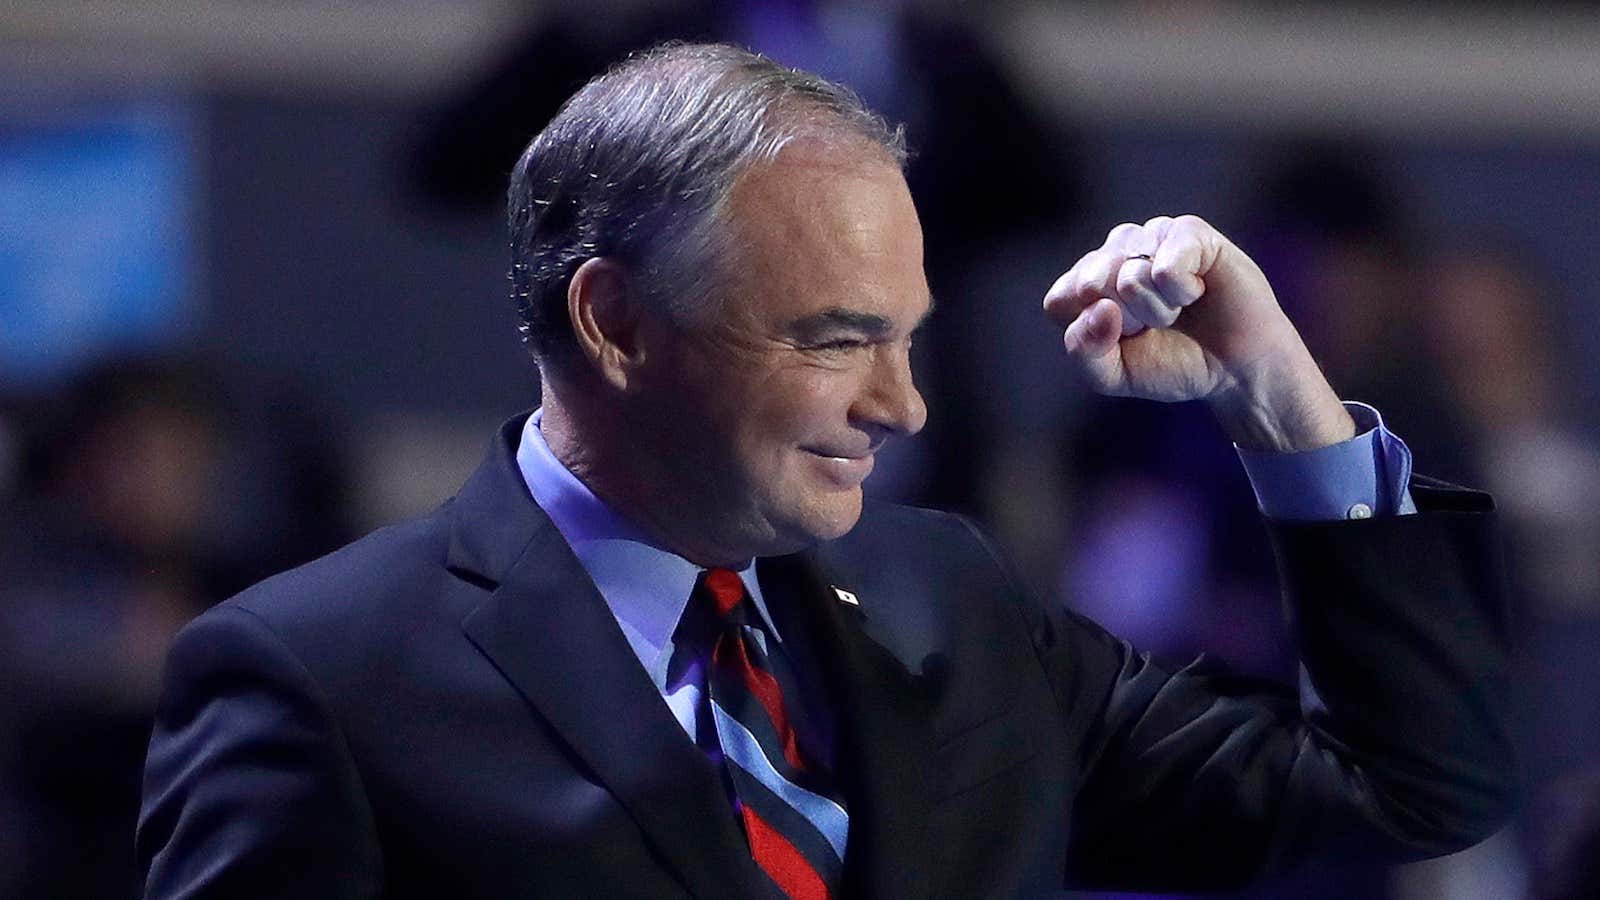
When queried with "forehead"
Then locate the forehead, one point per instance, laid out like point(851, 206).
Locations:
point(824, 227)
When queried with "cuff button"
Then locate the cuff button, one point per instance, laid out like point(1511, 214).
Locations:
point(1358, 511)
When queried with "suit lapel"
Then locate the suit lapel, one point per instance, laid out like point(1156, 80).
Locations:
point(549, 632)
point(884, 710)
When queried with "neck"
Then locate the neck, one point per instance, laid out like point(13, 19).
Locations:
point(598, 443)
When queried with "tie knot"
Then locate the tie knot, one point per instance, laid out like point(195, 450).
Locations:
point(725, 588)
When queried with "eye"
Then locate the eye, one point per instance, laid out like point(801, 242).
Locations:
point(842, 345)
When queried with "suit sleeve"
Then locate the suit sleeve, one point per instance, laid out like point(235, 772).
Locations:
point(249, 790)
point(1395, 746)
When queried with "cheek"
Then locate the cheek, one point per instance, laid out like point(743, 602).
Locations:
point(804, 405)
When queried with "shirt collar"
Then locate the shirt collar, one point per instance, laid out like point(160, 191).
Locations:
point(646, 587)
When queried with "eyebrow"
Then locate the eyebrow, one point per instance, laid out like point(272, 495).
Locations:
point(839, 318)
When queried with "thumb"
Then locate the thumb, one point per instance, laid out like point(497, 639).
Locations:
point(1092, 342)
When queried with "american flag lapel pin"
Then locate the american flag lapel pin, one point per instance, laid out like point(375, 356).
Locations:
point(845, 596)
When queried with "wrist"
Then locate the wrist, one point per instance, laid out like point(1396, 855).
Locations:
point(1286, 407)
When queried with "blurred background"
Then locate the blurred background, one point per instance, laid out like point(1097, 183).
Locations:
point(253, 303)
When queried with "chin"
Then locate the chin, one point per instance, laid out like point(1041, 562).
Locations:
point(830, 515)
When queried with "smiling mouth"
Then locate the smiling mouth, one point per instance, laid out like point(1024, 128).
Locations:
point(846, 471)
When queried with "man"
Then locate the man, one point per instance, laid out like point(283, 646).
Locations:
point(658, 646)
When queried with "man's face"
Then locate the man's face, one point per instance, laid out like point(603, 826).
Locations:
point(772, 410)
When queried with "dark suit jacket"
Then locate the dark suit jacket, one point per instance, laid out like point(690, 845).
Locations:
point(448, 709)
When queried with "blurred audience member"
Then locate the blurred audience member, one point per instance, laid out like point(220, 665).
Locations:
point(136, 509)
point(1346, 258)
point(1495, 335)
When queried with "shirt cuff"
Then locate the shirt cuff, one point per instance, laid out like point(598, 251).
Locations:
point(1365, 476)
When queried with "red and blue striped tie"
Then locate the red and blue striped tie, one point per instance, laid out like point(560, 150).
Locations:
point(795, 823)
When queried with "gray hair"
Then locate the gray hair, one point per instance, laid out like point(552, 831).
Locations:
point(639, 163)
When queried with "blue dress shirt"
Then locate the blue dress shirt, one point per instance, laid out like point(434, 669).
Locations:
point(1362, 477)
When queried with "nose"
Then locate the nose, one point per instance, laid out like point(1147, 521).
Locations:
point(890, 401)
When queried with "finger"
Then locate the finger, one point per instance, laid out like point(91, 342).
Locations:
point(1137, 293)
point(1090, 279)
point(1093, 346)
point(1137, 244)
point(1126, 238)
point(1131, 323)
point(1175, 269)
point(1156, 229)
point(1058, 301)
point(1097, 279)
point(1094, 275)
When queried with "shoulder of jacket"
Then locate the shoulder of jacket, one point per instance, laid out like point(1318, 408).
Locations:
point(357, 582)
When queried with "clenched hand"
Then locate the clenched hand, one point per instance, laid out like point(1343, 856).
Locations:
point(1171, 310)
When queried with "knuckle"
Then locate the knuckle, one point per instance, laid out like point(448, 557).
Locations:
point(1097, 266)
point(1158, 221)
point(1121, 233)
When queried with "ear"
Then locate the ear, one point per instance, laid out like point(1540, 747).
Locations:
point(605, 320)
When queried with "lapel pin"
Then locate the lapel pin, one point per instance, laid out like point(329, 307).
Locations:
point(846, 597)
